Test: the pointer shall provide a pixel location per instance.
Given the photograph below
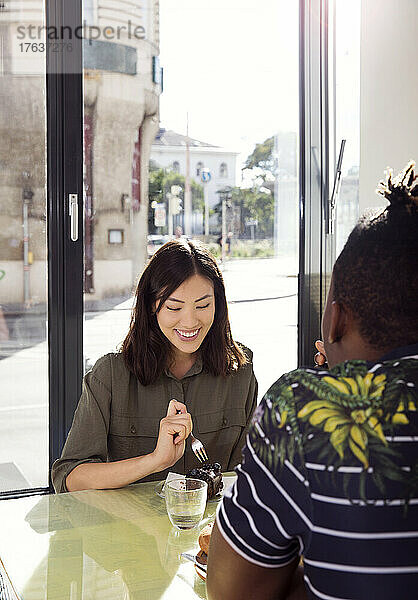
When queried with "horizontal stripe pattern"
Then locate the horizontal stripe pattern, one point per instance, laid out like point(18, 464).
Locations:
point(352, 548)
point(359, 502)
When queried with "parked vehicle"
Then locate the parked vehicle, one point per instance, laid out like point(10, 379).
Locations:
point(155, 241)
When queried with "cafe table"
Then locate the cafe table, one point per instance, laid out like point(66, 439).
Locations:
point(98, 545)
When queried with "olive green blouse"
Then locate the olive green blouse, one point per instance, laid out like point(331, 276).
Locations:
point(118, 418)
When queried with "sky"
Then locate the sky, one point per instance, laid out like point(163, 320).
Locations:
point(232, 65)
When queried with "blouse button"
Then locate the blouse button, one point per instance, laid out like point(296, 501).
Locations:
point(225, 421)
point(133, 429)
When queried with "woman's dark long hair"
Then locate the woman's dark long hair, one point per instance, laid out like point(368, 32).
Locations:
point(146, 350)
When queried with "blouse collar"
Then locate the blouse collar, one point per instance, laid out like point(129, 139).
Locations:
point(195, 369)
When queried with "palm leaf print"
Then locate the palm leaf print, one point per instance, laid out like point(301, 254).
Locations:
point(344, 417)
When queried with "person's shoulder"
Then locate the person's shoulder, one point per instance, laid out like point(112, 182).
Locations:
point(247, 351)
point(105, 361)
point(279, 408)
point(109, 367)
point(295, 378)
point(408, 364)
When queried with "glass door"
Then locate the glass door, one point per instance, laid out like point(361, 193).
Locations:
point(185, 136)
point(24, 413)
point(181, 137)
point(121, 89)
point(40, 172)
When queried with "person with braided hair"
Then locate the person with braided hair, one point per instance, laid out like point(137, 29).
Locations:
point(330, 468)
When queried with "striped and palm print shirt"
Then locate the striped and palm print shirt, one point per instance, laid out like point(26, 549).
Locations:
point(330, 472)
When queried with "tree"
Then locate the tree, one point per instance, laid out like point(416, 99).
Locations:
point(258, 206)
point(263, 158)
point(160, 182)
point(257, 201)
point(252, 205)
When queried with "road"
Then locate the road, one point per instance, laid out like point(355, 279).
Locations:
point(262, 297)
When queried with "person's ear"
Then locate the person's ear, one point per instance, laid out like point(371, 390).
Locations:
point(338, 322)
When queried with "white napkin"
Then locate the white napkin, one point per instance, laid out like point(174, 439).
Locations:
point(228, 481)
point(170, 477)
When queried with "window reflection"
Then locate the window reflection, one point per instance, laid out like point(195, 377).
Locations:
point(233, 170)
point(223, 170)
point(347, 108)
point(122, 85)
point(23, 267)
point(199, 168)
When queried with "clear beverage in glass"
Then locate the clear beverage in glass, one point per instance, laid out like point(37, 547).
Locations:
point(185, 499)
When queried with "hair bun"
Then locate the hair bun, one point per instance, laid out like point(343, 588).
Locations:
point(401, 191)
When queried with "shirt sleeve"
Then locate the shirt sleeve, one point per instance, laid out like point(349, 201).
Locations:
point(87, 438)
point(250, 406)
point(266, 515)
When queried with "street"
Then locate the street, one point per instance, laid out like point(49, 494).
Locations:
point(262, 296)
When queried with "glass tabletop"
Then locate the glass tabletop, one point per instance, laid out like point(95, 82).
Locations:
point(91, 545)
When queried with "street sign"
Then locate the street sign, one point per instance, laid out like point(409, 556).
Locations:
point(160, 215)
point(205, 175)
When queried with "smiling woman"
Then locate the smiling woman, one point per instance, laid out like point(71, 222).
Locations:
point(180, 346)
point(181, 291)
point(186, 320)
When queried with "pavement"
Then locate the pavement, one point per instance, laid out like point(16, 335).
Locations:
point(262, 304)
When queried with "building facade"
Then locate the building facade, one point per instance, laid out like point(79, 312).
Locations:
point(122, 85)
point(169, 151)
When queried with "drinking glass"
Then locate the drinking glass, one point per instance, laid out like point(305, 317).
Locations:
point(185, 499)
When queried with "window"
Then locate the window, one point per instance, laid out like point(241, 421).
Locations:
point(223, 170)
point(119, 130)
point(112, 227)
point(115, 236)
point(256, 209)
point(39, 192)
point(243, 190)
point(24, 418)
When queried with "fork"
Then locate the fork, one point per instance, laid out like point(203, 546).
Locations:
point(198, 448)
point(195, 560)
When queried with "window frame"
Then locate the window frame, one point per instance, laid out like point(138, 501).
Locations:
point(315, 242)
point(64, 125)
point(65, 272)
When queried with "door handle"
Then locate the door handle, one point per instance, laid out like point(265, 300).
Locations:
point(73, 212)
point(335, 189)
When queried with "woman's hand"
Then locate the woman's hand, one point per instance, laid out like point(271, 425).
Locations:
point(320, 357)
point(175, 428)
